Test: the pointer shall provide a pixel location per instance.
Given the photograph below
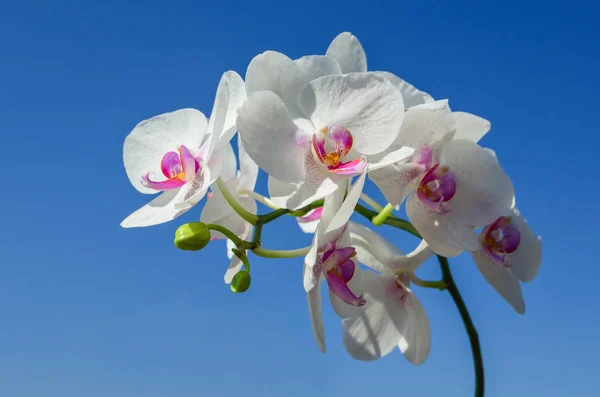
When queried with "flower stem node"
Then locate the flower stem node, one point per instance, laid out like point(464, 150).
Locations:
point(240, 282)
point(192, 236)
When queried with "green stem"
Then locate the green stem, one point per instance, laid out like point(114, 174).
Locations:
point(265, 253)
point(383, 215)
point(271, 216)
point(244, 213)
point(469, 326)
point(396, 222)
point(441, 285)
point(228, 233)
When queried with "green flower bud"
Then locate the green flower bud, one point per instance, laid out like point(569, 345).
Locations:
point(240, 282)
point(192, 236)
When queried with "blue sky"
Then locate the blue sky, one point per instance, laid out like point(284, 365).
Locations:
point(89, 309)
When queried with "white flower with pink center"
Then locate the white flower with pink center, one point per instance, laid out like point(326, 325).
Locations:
point(311, 128)
point(510, 254)
point(180, 154)
point(453, 185)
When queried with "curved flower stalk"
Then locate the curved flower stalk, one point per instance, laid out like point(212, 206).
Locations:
point(510, 253)
point(218, 211)
point(453, 185)
point(312, 131)
point(330, 257)
point(180, 154)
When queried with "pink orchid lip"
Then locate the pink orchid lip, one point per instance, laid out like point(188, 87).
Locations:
point(331, 144)
point(500, 239)
point(436, 188)
point(339, 269)
point(179, 167)
point(314, 215)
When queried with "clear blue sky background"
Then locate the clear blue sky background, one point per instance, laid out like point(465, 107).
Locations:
point(89, 309)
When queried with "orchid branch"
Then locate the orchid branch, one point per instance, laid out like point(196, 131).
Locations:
point(266, 253)
point(237, 207)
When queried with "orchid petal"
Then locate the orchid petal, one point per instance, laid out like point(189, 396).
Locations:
point(381, 323)
point(412, 96)
point(160, 210)
point(275, 72)
point(348, 52)
point(271, 138)
point(169, 184)
point(230, 95)
point(396, 181)
point(315, 66)
point(341, 308)
point(338, 285)
point(188, 163)
point(484, 191)
point(248, 168)
point(373, 250)
point(391, 157)
point(308, 223)
point(502, 279)
point(370, 107)
point(295, 196)
point(171, 165)
point(316, 316)
point(351, 168)
point(416, 342)
point(346, 209)
point(526, 260)
point(151, 139)
point(470, 127)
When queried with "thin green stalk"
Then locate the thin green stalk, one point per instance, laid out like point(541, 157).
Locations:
point(228, 233)
point(244, 213)
point(396, 222)
point(378, 219)
point(271, 216)
point(469, 326)
point(266, 253)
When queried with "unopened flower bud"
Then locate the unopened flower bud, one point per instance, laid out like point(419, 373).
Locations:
point(192, 236)
point(240, 282)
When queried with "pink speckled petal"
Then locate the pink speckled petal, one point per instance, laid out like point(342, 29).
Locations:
point(169, 184)
point(353, 167)
point(188, 162)
point(170, 165)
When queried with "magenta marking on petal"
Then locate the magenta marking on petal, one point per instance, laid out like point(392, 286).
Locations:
point(188, 163)
point(425, 157)
point(170, 165)
point(346, 270)
point(340, 288)
point(314, 215)
point(169, 184)
point(318, 143)
point(353, 167)
point(436, 188)
point(338, 257)
point(500, 239)
point(343, 139)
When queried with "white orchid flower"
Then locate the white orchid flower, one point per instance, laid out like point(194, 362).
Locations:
point(453, 185)
point(392, 316)
point(330, 257)
point(510, 253)
point(217, 209)
point(180, 154)
point(312, 131)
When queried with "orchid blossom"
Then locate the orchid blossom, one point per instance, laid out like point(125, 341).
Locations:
point(453, 185)
point(180, 154)
point(510, 253)
point(311, 128)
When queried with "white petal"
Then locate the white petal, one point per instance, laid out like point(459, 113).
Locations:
point(390, 157)
point(315, 66)
point(412, 96)
point(226, 156)
point(470, 127)
point(396, 181)
point(484, 192)
point(416, 341)
point(308, 226)
point(415, 258)
point(331, 206)
point(230, 95)
point(502, 279)
point(271, 138)
point(273, 71)
point(443, 237)
point(248, 168)
point(348, 52)
point(367, 105)
point(373, 250)
point(294, 196)
point(526, 260)
point(346, 210)
point(316, 317)
point(151, 139)
point(160, 210)
point(381, 323)
point(425, 124)
point(234, 268)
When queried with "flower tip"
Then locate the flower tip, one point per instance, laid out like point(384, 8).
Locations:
point(192, 236)
point(240, 282)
